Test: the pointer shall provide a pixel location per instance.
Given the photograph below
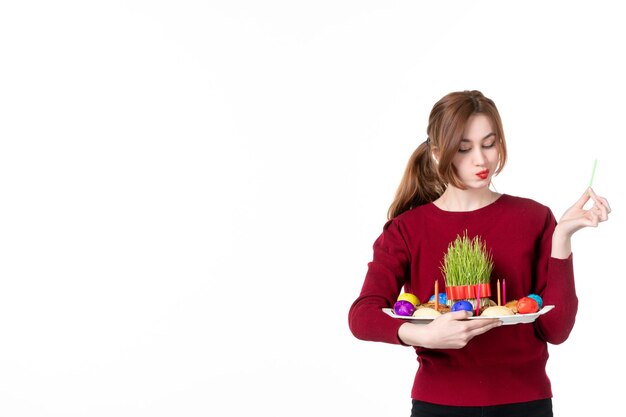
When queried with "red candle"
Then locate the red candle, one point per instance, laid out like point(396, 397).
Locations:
point(503, 291)
point(437, 295)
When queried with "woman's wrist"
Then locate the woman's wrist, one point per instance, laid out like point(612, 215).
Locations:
point(561, 244)
point(411, 334)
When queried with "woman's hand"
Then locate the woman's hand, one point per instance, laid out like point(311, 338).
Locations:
point(576, 218)
point(448, 331)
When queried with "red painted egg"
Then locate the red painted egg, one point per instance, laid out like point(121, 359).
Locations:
point(526, 305)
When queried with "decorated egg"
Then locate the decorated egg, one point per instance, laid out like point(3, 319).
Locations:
point(537, 299)
point(462, 305)
point(442, 298)
point(526, 305)
point(411, 298)
point(403, 308)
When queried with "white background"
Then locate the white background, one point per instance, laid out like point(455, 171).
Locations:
point(189, 192)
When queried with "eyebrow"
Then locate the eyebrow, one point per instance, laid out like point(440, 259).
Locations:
point(486, 137)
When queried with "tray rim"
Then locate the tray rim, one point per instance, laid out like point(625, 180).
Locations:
point(514, 319)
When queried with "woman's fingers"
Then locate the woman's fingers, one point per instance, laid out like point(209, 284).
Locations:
point(600, 212)
point(599, 200)
point(483, 324)
point(601, 206)
point(454, 331)
point(474, 327)
point(593, 218)
point(603, 213)
point(485, 327)
point(577, 217)
point(458, 315)
point(582, 200)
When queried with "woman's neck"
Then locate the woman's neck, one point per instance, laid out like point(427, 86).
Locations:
point(455, 199)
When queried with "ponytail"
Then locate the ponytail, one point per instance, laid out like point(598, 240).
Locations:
point(420, 183)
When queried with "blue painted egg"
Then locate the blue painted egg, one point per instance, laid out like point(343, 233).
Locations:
point(462, 305)
point(537, 299)
point(442, 298)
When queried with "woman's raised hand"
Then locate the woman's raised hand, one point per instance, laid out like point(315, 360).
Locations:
point(577, 217)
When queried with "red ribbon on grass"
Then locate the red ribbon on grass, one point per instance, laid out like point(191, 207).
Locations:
point(462, 292)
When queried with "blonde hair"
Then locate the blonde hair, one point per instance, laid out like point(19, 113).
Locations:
point(424, 180)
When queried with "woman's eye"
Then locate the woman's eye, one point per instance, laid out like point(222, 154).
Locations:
point(485, 146)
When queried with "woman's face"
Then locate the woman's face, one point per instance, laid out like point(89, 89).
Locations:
point(477, 157)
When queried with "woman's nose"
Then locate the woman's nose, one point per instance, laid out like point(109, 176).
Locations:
point(479, 156)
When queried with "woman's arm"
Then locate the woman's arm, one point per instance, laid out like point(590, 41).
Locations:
point(449, 331)
point(555, 271)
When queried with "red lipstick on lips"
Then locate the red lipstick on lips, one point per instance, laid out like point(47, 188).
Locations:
point(483, 174)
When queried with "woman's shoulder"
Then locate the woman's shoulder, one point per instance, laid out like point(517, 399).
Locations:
point(415, 213)
point(526, 205)
point(407, 222)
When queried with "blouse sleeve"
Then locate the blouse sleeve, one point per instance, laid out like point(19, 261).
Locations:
point(555, 284)
point(385, 277)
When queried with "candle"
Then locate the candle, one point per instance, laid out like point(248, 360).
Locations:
point(478, 300)
point(499, 299)
point(503, 291)
point(437, 295)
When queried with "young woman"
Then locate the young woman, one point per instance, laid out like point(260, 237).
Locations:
point(472, 366)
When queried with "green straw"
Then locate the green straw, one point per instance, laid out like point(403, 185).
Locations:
point(593, 172)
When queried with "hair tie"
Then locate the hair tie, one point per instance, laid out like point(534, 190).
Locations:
point(427, 141)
